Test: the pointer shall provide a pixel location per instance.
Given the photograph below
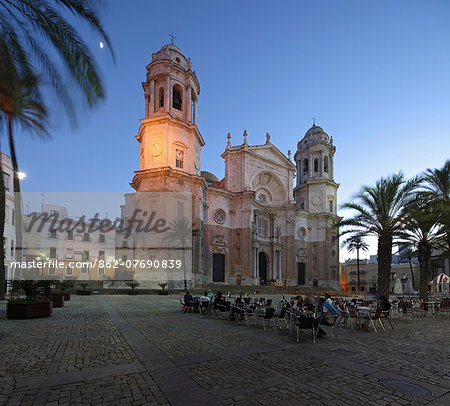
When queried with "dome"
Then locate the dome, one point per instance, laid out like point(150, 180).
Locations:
point(316, 134)
point(171, 52)
point(209, 177)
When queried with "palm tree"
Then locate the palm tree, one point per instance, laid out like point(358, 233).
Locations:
point(437, 192)
point(34, 30)
point(409, 253)
point(356, 243)
point(380, 212)
point(20, 102)
point(181, 234)
point(423, 230)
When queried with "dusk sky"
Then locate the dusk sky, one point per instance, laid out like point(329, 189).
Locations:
point(375, 75)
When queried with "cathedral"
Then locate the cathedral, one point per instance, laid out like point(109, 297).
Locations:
point(254, 226)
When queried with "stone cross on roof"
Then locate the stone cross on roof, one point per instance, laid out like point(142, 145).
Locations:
point(172, 37)
point(229, 140)
point(245, 138)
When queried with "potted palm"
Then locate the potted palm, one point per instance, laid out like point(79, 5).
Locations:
point(163, 285)
point(64, 287)
point(133, 286)
point(32, 305)
point(85, 291)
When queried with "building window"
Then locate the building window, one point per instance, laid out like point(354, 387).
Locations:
point(161, 97)
point(219, 216)
point(86, 237)
point(302, 205)
point(51, 269)
point(85, 255)
point(101, 255)
point(101, 271)
point(325, 164)
point(53, 213)
point(177, 97)
point(12, 247)
point(70, 235)
point(6, 181)
point(316, 165)
point(179, 158)
point(124, 258)
point(101, 238)
point(125, 244)
point(305, 166)
point(69, 270)
point(52, 252)
point(262, 227)
point(69, 253)
point(331, 206)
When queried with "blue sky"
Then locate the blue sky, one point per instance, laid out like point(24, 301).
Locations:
point(376, 75)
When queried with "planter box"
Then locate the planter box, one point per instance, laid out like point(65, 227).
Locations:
point(163, 292)
point(66, 295)
point(84, 292)
point(28, 310)
point(58, 300)
point(133, 292)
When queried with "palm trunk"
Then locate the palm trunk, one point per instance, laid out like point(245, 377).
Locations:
point(357, 269)
point(2, 238)
point(17, 195)
point(384, 264)
point(412, 273)
point(424, 259)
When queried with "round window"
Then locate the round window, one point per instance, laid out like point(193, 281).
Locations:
point(262, 198)
point(178, 59)
point(301, 232)
point(219, 216)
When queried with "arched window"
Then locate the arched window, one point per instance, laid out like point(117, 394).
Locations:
point(177, 99)
point(305, 165)
point(325, 164)
point(179, 158)
point(161, 97)
point(316, 165)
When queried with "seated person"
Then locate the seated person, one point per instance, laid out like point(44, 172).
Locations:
point(298, 303)
point(210, 295)
point(220, 301)
point(328, 298)
point(204, 298)
point(240, 298)
point(385, 304)
point(190, 301)
point(327, 314)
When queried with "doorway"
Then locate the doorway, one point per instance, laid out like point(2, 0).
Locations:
point(262, 271)
point(218, 267)
point(300, 273)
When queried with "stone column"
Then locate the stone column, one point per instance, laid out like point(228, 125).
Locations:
point(147, 102)
point(153, 97)
point(187, 103)
point(195, 112)
point(279, 265)
point(168, 107)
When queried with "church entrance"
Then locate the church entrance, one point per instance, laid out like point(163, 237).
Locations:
point(218, 267)
point(262, 271)
point(300, 273)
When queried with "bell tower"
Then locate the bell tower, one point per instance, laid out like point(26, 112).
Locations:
point(316, 190)
point(168, 136)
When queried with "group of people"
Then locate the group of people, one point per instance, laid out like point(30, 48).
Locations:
point(327, 310)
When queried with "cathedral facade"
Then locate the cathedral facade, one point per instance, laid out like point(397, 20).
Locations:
point(253, 226)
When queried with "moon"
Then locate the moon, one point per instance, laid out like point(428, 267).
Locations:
point(101, 44)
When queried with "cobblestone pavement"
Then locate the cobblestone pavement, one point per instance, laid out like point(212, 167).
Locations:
point(141, 350)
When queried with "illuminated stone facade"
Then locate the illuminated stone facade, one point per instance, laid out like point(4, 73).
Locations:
point(252, 226)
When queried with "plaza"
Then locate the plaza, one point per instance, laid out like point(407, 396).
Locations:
point(142, 350)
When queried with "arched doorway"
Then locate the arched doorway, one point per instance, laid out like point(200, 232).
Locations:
point(262, 271)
